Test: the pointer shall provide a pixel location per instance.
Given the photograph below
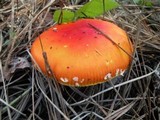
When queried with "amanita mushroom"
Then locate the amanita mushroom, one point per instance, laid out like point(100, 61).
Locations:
point(80, 55)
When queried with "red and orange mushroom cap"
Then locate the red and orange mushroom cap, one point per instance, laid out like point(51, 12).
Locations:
point(80, 55)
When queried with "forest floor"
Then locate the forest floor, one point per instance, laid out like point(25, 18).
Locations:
point(26, 94)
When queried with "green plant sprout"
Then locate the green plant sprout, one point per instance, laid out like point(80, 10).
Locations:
point(91, 9)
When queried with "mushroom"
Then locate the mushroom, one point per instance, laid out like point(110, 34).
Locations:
point(83, 53)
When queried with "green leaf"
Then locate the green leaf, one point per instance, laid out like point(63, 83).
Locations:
point(96, 7)
point(62, 16)
point(144, 2)
point(91, 9)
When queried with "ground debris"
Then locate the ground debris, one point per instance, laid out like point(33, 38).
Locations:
point(16, 64)
point(19, 63)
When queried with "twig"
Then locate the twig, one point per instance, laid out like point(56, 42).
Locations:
point(121, 84)
point(5, 92)
point(12, 46)
point(106, 36)
point(66, 118)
